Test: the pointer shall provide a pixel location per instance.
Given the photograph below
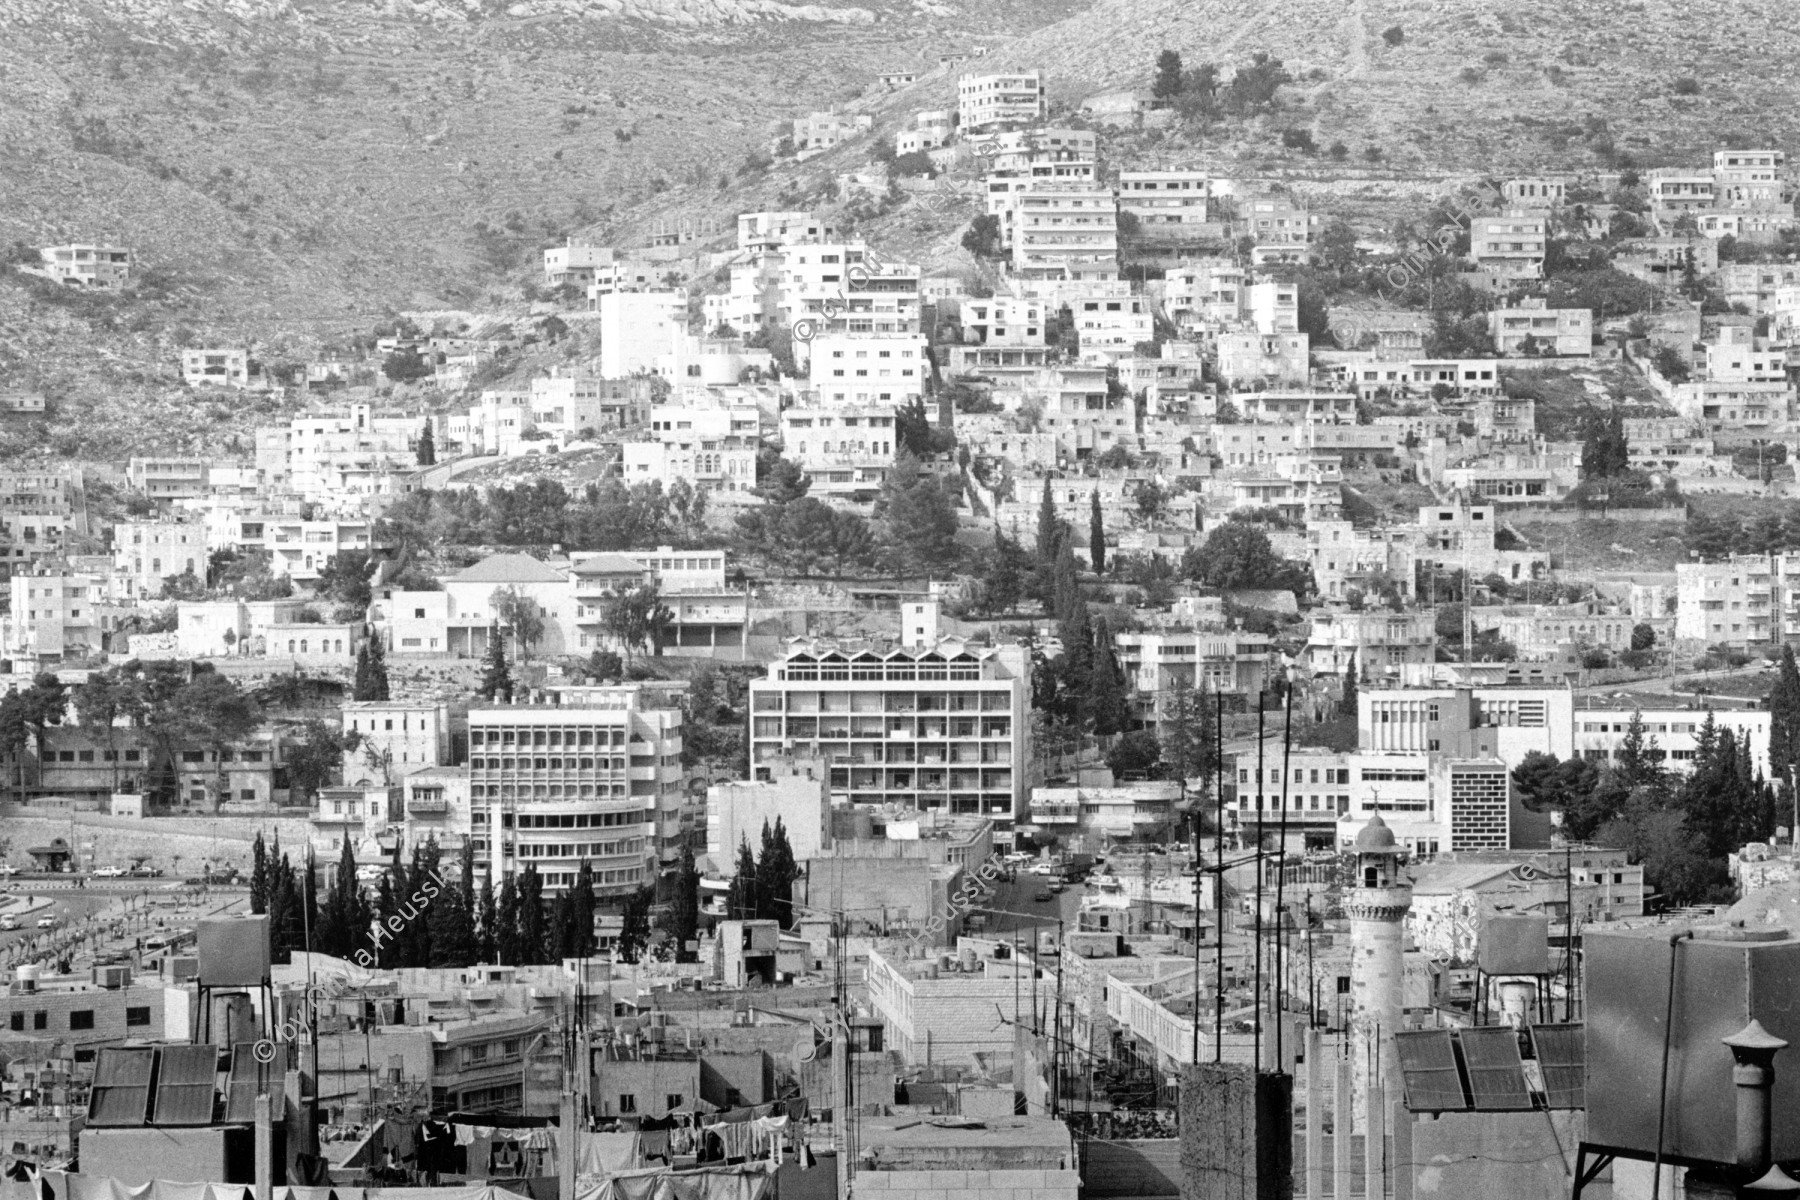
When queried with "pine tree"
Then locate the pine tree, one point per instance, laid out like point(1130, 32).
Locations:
point(775, 874)
point(508, 949)
point(496, 675)
point(1347, 704)
point(427, 446)
point(684, 917)
point(1096, 533)
point(1108, 704)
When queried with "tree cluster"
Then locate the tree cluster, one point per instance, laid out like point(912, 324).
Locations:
point(763, 887)
point(1680, 828)
point(608, 515)
point(1236, 554)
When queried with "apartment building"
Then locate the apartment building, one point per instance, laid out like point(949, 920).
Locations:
point(56, 617)
point(623, 275)
point(1534, 328)
point(1672, 734)
point(1734, 602)
point(1269, 359)
point(820, 131)
point(1509, 245)
point(300, 549)
point(575, 263)
point(1546, 631)
point(1110, 327)
point(222, 366)
point(713, 449)
point(637, 328)
point(1065, 230)
point(1208, 293)
point(1281, 229)
point(1378, 641)
point(1534, 193)
point(595, 777)
point(1168, 205)
point(944, 726)
point(1156, 662)
point(145, 553)
point(865, 369)
point(1677, 190)
point(1748, 178)
point(567, 402)
point(87, 264)
point(395, 738)
point(767, 230)
point(707, 615)
point(1078, 407)
point(986, 101)
point(1004, 321)
point(845, 451)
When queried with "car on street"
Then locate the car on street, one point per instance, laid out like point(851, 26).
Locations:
point(1042, 896)
point(1040, 868)
point(46, 922)
point(1059, 887)
point(110, 873)
point(8, 923)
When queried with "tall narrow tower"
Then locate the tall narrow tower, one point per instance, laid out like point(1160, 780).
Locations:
point(1377, 906)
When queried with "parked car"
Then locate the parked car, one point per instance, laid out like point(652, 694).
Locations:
point(8, 923)
point(110, 873)
point(1042, 896)
point(1058, 887)
point(46, 922)
point(1040, 868)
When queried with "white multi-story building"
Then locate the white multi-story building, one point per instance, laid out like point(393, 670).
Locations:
point(1065, 231)
point(1510, 245)
point(145, 553)
point(567, 402)
point(1534, 327)
point(1168, 205)
point(107, 268)
point(766, 230)
point(1379, 641)
point(594, 777)
point(1671, 735)
point(886, 369)
point(575, 263)
point(1748, 178)
point(845, 450)
point(796, 794)
point(216, 366)
point(1111, 326)
point(986, 101)
point(942, 727)
point(1734, 602)
point(56, 616)
point(328, 456)
point(637, 328)
point(394, 739)
point(712, 449)
point(1426, 720)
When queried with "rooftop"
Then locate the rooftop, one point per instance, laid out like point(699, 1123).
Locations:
point(508, 568)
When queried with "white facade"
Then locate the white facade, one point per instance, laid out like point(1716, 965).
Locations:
point(216, 367)
point(983, 101)
point(1671, 733)
point(145, 553)
point(396, 738)
point(637, 328)
point(798, 797)
point(860, 369)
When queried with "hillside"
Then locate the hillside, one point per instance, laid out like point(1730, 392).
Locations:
point(1471, 84)
point(292, 171)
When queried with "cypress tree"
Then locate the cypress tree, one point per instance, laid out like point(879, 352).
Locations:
point(507, 948)
point(490, 919)
point(496, 675)
point(1347, 705)
point(259, 875)
point(1784, 720)
point(582, 906)
point(376, 658)
point(427, 446)
point(1108, 705)
point(740, 901)
point(534, 931)
point(684, 918)
point(1096, 533)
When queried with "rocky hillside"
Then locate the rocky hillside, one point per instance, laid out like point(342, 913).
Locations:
point(1465, 84)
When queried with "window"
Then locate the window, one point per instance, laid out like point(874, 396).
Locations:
point(40, 1020)
point(17, 1022)
point(672, 1101)
point(138, 1016)
point(627, 1102)
point(81, 1018)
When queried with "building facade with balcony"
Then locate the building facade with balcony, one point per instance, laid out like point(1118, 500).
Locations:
point(944, 726)
point(594, 777)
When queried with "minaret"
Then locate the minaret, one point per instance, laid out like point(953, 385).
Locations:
point(1377, 906)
